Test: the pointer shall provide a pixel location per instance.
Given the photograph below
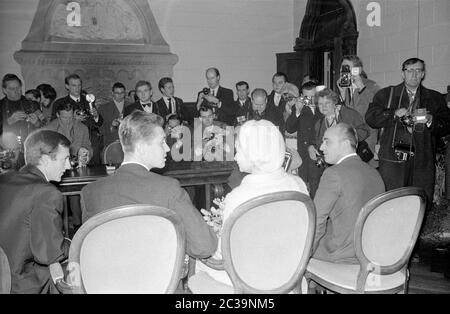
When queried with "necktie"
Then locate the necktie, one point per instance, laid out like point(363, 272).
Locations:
point(212, 92)
point(171, 106)
point(277, 99)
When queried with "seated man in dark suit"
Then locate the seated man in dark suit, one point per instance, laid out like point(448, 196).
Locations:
point(220, 98)
point(31, 223)
point(243, 103)
point(144, 93)
point(168, 103)
point(143, 142)
point(344, 189)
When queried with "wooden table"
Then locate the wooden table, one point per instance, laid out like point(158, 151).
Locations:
point(195, 173)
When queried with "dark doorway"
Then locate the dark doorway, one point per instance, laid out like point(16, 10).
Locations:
point(327, 33)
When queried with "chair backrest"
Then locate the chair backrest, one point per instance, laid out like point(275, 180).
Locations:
point(386, 231)
point(5, 273)
point(128, 249)
point(113, 154)
point(267, 241)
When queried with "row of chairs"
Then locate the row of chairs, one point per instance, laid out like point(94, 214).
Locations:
point(266, 247)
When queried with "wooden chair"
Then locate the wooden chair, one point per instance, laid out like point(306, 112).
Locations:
point(5, 274)
point(266, 244)
point(113, 154)
point(129, 249)
point(385, 233)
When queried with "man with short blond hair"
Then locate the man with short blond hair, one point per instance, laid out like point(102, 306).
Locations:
point(144, 145)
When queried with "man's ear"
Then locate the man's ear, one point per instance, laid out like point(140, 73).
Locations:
point(403, 75)
point(45, 159)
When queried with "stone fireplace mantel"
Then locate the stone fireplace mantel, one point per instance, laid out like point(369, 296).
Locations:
point(103, 41)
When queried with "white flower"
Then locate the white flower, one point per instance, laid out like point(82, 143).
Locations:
point(214, 216)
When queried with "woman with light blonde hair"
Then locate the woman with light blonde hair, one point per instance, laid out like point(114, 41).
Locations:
point(260, 151)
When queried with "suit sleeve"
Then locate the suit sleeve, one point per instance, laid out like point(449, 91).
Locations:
point(228, 105)
point(46, 223)
point(378, 114)
point(292, 121)
point(326, 196)
point(441, 124)
point(201, 241)
point(362, 129)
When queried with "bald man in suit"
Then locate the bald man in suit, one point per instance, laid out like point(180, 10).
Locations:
point(344, 189)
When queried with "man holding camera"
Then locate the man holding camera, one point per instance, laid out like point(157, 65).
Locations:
point(302, 117)
point(112, 113)
point(84, 113)
point(218, 97)
point(20, 115)
point(410, 118)
point(357, 92)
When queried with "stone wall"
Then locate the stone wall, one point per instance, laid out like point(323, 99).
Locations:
point(239, 37)
point(383, 48)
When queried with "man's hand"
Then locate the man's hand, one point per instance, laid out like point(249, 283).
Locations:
point(401, 112)
point(115, 123)
point(212, 99)
point(299, 105)
point(313, 153)
point(94, 113)
point(357, 81)
point(288, 107)
point(17, 116)
point(83, 156)
point(80, 117)
point(33, 119)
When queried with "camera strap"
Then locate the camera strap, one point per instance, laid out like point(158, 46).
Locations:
point(395, 127)
point(388, 107)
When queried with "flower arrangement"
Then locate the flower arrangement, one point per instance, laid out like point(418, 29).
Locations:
point(214, 216)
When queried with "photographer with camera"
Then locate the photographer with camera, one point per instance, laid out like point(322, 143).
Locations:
point(302, 117)
point(219, 98)
point(357, 92)
point(410, 118)
point(20, 117)
point(85, 112)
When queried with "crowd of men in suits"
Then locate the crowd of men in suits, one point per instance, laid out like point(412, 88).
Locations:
point(331, 128)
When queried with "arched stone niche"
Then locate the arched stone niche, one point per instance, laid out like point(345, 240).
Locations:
point(103, 41)
point(328, 26)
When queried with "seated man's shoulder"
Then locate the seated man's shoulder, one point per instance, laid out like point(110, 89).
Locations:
point(165, 181)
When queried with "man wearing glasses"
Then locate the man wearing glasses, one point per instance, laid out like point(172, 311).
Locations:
point(410, 117)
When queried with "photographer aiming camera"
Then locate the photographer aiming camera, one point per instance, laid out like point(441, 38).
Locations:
point(357, 92)
point(410, 117)
point(219, 98)
point(302, 116)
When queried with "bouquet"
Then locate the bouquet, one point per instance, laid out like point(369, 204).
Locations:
point(214, 216)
